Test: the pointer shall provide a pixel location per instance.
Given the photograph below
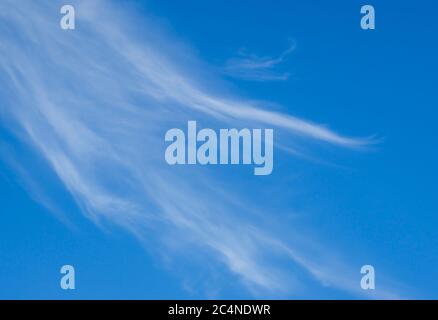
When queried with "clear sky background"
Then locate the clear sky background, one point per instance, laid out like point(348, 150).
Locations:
point(83, 180)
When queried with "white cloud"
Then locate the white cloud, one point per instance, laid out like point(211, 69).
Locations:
point(96, 102)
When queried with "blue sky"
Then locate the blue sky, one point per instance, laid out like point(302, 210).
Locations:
point(82, 174)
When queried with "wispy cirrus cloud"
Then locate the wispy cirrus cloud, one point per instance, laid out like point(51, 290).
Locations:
point(249, 66)
point(95, 104)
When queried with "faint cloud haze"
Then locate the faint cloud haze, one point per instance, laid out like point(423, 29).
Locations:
point(249, 66)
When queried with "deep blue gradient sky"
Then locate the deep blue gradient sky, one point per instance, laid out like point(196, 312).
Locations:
point(373, 206)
